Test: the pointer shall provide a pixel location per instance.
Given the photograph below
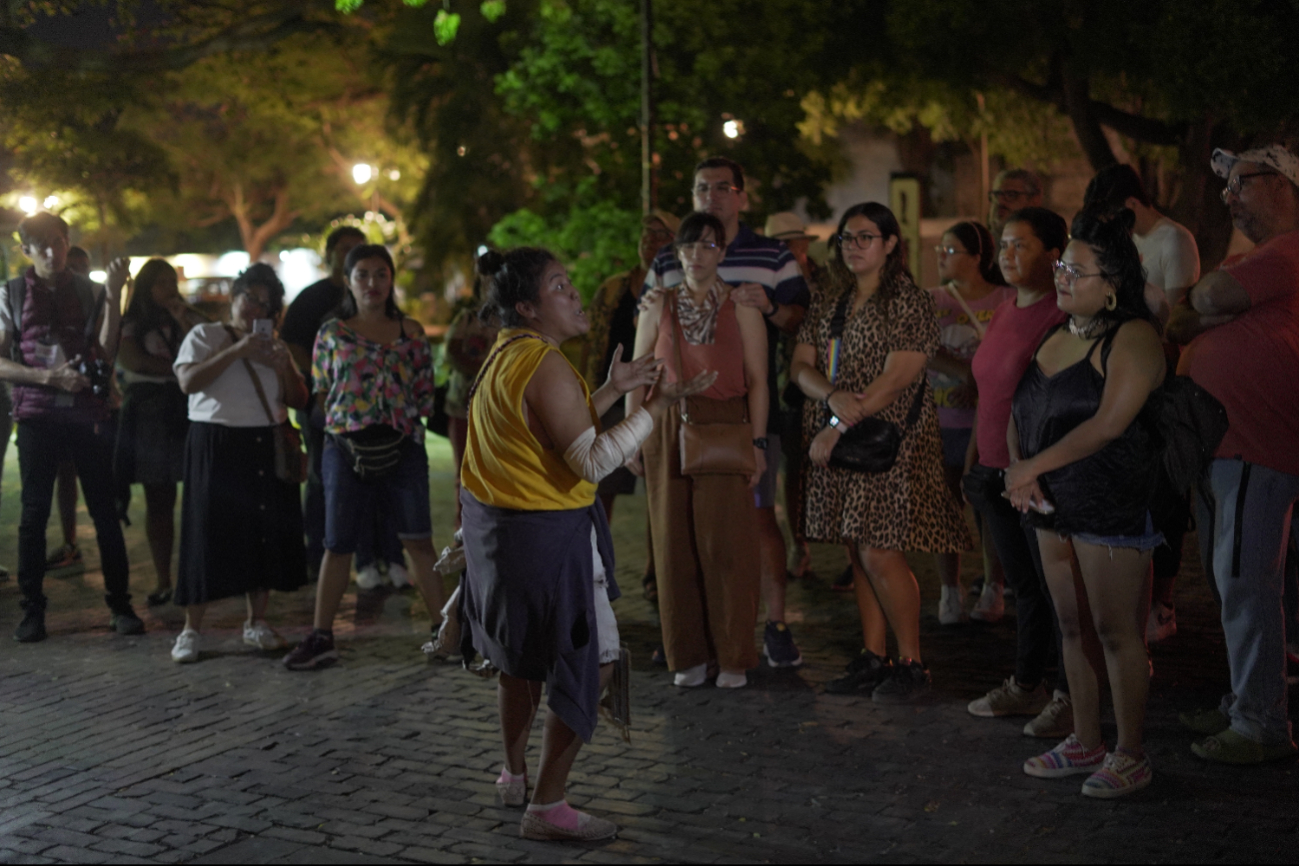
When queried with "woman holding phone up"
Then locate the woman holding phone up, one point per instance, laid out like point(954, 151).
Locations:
point(241, 526)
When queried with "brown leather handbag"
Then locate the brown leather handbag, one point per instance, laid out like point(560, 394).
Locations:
point(710, 449)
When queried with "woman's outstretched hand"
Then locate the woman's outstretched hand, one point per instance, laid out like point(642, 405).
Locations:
point(628, 376)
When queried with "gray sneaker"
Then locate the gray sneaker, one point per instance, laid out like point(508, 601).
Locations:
point(1055, 722)
point(910, 683)
point(125, 621)
point(1010, 699)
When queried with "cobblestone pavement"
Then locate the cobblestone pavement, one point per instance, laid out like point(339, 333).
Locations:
point(110, 752)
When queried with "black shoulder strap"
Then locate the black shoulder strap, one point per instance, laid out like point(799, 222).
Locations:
point(1048, 335)
point(17, 296)
point(1106, 344)
point(917, 405)
point(840, 319)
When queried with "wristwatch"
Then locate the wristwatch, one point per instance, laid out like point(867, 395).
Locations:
point(837, 423)
point(760, 443)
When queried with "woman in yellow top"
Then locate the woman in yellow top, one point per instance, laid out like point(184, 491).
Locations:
point(539, 558)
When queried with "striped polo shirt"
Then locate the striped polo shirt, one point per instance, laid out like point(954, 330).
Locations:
point(750, 258)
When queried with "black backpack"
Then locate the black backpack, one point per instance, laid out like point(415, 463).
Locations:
point(1191, 422)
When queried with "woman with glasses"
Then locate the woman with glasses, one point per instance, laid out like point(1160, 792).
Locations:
point(241, 526)
point(972, 288)
point(862, 352)
point(703, 526)
point(1084, 456)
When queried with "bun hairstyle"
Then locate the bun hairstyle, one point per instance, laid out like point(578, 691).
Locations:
point(894, 275)
point(511, 277)
point(347, 306)
point(976, 239)
point(1110, 237)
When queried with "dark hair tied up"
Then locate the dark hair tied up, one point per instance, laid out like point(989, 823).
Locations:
point(978, 240)
point(512, 277)
point(1110, 237)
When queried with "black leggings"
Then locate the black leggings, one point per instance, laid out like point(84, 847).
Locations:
point(1037, 630)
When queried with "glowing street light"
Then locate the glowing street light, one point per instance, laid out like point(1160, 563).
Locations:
point(28, 204)
point(362, 172)
point(733, 128)
point(51, 202)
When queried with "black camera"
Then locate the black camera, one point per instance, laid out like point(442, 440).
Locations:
point(100, 375)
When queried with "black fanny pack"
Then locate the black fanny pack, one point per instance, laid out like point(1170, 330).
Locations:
point(373, 452)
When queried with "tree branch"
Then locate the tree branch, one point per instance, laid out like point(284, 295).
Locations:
point(1146, 129)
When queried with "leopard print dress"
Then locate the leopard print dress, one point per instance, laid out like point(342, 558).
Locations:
point(909, 507)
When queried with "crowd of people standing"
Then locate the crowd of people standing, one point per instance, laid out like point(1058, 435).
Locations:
point(1034, 385)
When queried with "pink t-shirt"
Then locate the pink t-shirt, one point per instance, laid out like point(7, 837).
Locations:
point(1013, 336)
point(960, 337)
point(1252, 362)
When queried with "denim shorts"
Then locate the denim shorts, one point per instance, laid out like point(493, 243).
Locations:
point(1148, 540)
point(402, 497)
point(764, 495)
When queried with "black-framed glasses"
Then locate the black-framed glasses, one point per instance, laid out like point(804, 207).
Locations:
point(861, 240)
point(1234, 185)
point(951, 251)
point(692, 247)
point(1067, 275)
point(1007, 196)
point(722, 188)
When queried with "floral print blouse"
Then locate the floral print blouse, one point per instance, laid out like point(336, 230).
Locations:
point(367, 383)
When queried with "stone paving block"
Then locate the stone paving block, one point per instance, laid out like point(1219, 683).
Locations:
point(431, 855)
point(70, 854)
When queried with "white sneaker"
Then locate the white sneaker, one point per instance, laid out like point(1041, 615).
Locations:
point(728, 680)
point(262, 636)
point(691, 677)
point(369, 577)
point(185, 650)
point(991, 606)
point(950, 609)
point(1162, 623)
point(398, 575)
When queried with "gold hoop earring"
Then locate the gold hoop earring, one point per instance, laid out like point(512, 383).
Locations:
point(1111, 302)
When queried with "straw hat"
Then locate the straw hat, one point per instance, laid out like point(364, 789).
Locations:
point(786, 226)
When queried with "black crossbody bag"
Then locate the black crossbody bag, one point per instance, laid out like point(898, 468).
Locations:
point(872, 444)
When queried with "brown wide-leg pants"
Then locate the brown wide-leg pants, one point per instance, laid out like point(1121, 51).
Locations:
point(704, 532)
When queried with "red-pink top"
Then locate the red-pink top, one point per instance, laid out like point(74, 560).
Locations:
point(1008, 345)
point(725, 354)
point(1251, 363)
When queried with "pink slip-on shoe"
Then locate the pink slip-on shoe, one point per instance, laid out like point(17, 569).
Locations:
point(1070, 758)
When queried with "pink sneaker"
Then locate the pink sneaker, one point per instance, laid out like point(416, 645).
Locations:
point(1121, 775)
point(1070, 758)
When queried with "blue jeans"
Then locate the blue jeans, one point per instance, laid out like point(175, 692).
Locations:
point(401, 496)
point(1244, 513)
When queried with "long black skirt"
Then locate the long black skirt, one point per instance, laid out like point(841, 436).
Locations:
point(241, 527)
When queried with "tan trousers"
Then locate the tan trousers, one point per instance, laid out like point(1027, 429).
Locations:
point(704, 532)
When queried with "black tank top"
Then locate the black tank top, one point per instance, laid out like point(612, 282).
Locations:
point(1105, 493)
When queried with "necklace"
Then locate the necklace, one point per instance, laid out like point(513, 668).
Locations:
point(1087, 331)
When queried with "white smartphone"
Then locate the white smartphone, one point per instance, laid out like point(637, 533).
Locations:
point(263, 327)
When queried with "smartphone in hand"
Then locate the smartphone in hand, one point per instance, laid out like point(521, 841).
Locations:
point(263, 327)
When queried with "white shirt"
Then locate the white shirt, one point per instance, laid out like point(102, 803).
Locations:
point(230, 400)
point(1169, 255)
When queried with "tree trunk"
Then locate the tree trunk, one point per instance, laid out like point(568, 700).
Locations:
point(256, 237)
point(1078, 103)
point(1198, 205)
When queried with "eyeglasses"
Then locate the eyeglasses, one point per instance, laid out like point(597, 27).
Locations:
point(1067, 275)
point(723, 188)
point(1006, 196)
point(860, 240)
point(1234, 185)
point(694, 247)
point(951, 251)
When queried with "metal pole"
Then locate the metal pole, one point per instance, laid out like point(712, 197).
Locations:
point(649, 192)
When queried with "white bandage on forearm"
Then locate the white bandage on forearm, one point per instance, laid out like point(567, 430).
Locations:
point(593, 457)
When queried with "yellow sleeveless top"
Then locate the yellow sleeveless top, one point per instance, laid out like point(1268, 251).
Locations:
point(504, 464)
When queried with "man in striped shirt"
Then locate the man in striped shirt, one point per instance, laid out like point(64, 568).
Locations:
point(765, 275)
